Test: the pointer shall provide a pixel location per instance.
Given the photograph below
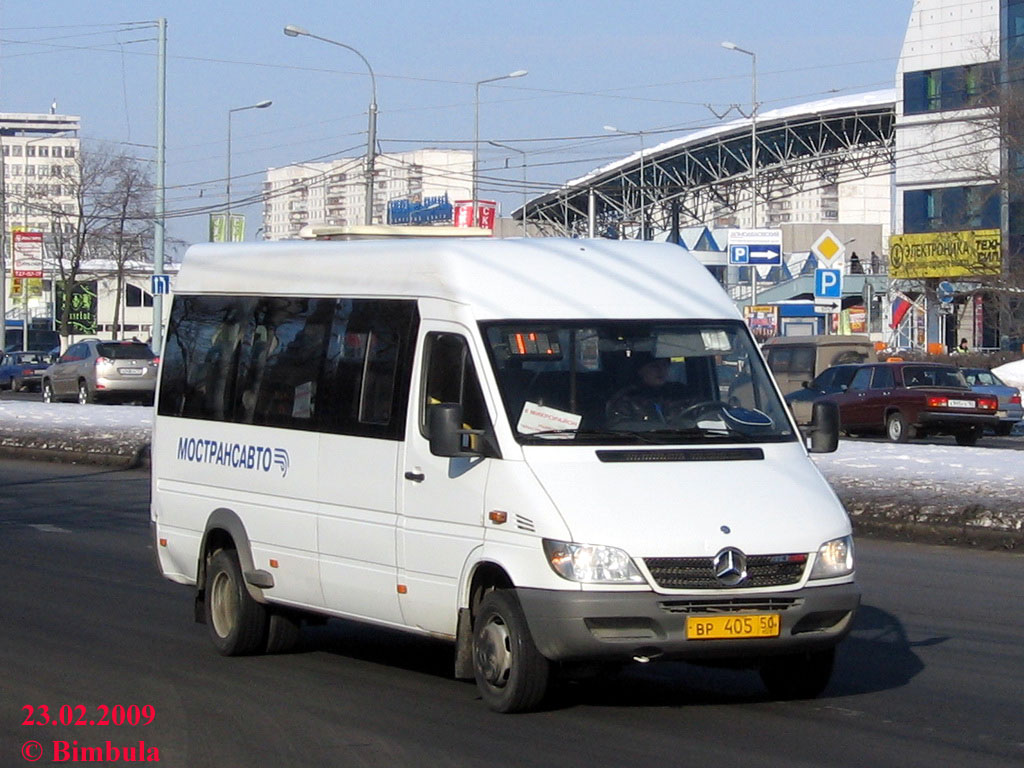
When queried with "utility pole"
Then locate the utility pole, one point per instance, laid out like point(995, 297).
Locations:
point(161, 145)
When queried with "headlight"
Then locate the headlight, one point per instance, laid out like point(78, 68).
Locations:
point(591, 563)
point(835, 558)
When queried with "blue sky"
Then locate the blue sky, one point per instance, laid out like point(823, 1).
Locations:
point(650, 66)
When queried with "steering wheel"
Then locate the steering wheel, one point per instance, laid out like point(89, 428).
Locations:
point(703, 405)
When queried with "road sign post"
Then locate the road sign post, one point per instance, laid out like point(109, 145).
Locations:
point(752, 248)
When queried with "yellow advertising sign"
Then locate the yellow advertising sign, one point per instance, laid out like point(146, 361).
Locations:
point(945, 254)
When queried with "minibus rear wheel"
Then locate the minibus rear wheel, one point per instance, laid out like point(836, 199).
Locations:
point(237, 623)
point(798, 676)
point(510, 672)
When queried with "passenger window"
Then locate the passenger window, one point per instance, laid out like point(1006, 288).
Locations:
point(803, 361)
point(861, 379)
point(451, 378)
point(883, 378)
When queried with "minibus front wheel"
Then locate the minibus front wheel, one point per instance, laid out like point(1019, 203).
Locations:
point(237, 623)
point(510, 672)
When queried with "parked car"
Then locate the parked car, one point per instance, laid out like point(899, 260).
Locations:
point(93, 370)
point(23, 370)
point(830, 381)
point(796, 360)
point(1010, 410)
point(905, 400)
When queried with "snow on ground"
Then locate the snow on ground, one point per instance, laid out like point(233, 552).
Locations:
point(1011, 373)
point(877, 466)
point(923, 466)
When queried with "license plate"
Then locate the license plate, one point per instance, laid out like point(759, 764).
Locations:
point(733, 627)
point(1001, 414)
point(960, 403)
point(131, 371)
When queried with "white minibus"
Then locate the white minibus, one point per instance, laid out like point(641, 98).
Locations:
point(557, 454)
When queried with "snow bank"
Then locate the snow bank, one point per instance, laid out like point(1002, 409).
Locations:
point(1011, 373)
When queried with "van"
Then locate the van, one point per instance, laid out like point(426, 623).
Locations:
point(797, 360)
point(557, 454)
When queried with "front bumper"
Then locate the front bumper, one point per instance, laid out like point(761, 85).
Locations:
point(584, 626)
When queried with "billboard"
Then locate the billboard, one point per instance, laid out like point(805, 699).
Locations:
point(27, 252)
point(436, 209)
point(945, 254)
point(82, 317)
point(464, 213)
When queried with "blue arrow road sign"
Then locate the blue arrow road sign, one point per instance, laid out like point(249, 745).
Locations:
point(945, 292)
point(828, 283)
point(161, 284)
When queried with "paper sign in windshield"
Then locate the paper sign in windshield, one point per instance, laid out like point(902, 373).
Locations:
point(540, 418)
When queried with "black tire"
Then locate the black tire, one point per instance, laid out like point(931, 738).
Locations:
point(896, 428)
point(17, 385)
point(510, 672)
point(84, 394)
point(968, 436)
point(800, 676)
point(237, 623)
point(47, 392)
point(284, 630)
point(1003, 429)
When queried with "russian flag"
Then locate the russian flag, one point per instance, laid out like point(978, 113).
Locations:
point(900, 306)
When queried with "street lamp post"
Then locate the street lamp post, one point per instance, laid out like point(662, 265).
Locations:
point(523, 153)
point(476, 133)
point(257, 105)
point(753, 153)
point(371, 139)
point(640, 185)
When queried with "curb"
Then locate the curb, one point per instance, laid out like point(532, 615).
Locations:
point(137, 458)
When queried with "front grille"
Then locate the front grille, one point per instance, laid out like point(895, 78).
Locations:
point(699, 572)
point(739, 605)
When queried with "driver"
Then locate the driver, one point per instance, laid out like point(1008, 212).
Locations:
point(652, 399)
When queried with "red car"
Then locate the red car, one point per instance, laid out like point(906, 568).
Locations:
point(906, 400)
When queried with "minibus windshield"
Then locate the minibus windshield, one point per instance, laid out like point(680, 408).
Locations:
point(634, 382)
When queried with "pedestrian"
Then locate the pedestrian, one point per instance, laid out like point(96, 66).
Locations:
point(856, 268)
point(963, 348)
point(876, 264)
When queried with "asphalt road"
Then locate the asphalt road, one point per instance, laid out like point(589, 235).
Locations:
point(931, 675)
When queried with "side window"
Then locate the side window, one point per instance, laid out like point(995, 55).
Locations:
point(451, 378)
point(861, 379)
point(883, 378)
point(280, 361)
point(803, 361)
point(200, 359)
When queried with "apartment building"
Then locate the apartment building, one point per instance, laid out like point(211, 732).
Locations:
point(335, 193)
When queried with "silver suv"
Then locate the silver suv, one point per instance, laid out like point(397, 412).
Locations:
point(94, 370)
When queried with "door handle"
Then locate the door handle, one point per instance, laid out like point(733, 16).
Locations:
point(416, 477)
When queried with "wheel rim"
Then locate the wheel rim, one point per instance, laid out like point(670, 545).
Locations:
point(895, 428)
point(223, 604)
point(83, 394)
point(47, 393)
point(494, 652)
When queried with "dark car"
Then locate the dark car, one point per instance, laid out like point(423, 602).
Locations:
point(828, 382)
point(22, 370)
point(905, 400)
point(1010, 409)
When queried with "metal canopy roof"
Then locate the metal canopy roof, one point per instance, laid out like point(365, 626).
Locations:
point(707, 173)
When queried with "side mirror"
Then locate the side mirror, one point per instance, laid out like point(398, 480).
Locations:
point(805, 384)
point(823, 431)
point(447, 437)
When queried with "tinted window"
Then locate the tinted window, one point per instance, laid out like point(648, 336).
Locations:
point(125, 351)
point(883, 378)
point(333, 365)
point(861, 379)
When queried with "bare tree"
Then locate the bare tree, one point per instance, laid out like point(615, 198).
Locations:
point(101, 212)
